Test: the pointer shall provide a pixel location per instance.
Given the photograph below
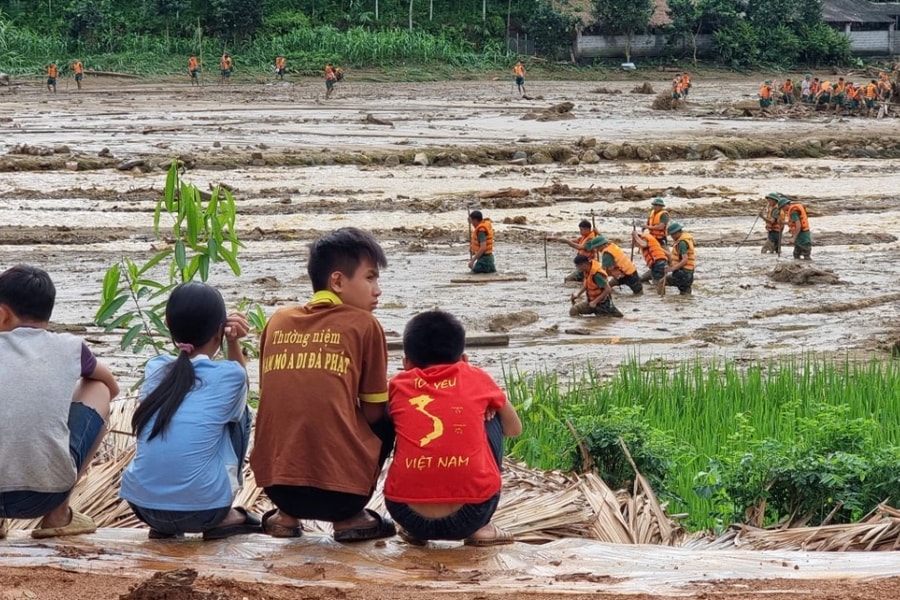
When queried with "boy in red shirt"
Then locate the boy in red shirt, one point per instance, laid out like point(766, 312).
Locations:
point(450, 419)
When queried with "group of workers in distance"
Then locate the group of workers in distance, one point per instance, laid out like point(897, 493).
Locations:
point(53, 74)
point(681, 86)
point(328, 417)
point(600, 264)
point(841, 95)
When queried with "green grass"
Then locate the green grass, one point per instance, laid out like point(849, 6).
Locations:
point(701, 407)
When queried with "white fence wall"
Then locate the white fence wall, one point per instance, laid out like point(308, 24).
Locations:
point(642, 46)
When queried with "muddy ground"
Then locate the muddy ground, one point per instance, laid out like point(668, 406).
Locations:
point(80, 172)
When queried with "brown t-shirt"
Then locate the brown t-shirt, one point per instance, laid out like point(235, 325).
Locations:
point(315, 362)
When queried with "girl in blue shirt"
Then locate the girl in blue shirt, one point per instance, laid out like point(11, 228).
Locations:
point(193, 425)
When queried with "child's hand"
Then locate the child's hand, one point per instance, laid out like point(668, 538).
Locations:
point(236, 326)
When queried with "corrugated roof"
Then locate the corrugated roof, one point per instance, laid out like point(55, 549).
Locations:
point(856, 11)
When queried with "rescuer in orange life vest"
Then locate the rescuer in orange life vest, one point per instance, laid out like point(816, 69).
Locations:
point(681, 267)
point(794, 214)
point(481, 248)
point(599, 294)
point(586, 234)
point(613, 260)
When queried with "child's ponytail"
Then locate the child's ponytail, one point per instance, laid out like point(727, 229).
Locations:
point(195, 314)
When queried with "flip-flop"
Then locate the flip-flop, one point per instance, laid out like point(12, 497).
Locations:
point(382, 528)
point(500, 538)
point(80, 523)
point(3, 529)
point(409, 538)
point(251, 524)
point(276, 530)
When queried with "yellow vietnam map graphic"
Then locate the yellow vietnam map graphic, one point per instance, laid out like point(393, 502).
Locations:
point(420, 402)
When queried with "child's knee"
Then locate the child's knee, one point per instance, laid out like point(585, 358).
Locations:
point(96, 395)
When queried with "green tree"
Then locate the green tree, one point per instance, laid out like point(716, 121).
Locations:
point(238, 19)
point(624, 17)
point(86, 19)
point(551, 30)
point(690, 18)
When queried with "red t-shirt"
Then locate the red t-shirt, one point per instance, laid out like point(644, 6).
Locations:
point(442, 453)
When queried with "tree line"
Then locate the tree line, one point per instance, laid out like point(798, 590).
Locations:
point(746, 33)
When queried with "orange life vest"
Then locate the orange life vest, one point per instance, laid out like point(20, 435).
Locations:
point(655, 218)
point(192, 64)
point(804, 220)
point(775, 224)
point(852, 92)
point(870, 90)
point(676, 255)
point(654, 251)
point(78, 67)
point(488, 230)
point(765, 92)
point(839, 88)
point(593, 292)
point(583, 240)
point(787, 87)
point(519, 71)
point(280, 62)
point(623, 267)
point(814, 88)
point(51, 71)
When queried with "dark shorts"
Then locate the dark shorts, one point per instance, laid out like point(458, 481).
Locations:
point(226, 72)
point(194, 74)
point(304, 502)
point(464, 522)
point(171, 522)
point(658, 270)
point(51, 81)
point(329, 84)
point(85, 426)
point(79, 77)
point(520, 81)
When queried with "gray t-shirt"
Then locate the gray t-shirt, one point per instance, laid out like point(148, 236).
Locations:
point(38, 374)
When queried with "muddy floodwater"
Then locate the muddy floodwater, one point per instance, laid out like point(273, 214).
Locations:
point(81, 172)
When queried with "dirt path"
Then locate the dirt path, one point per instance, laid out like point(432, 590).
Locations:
point(300, 166)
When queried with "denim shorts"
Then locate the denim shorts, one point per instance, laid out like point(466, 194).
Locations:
point(460, 525)
point(85, 425)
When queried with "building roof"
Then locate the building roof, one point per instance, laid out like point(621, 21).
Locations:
point(584, 10)
point(857, 11)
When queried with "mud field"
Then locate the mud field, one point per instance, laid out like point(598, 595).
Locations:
point(80, 173)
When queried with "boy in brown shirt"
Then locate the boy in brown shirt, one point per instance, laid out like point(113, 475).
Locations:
point(322, 432)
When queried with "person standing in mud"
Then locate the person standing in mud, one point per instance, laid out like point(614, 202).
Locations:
point(586, 234)
point(681, 268)
point(78, 69)
point(481, 247)
point(655, 256)
point(226, 68)
point(280, 67)
point(519, 74)
point(798, 226)
point(787, 91)
point(613, 260)
point(658, 222)
point(193, 68)
point(330, 80)
point(596, 287)
point(771, 214)
point(52, 74)
point(765, 94)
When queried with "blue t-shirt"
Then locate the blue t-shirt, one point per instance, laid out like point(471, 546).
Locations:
point(193, 465)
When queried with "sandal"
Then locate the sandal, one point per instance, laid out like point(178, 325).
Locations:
point(279, 531)
point(409, 538)
point(251, 524)
point(500, 538)
point(79, 523)
point(382, 528)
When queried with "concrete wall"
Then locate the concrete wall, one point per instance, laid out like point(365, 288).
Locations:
point(642, 46)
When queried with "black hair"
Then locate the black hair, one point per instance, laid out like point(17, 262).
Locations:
point(28, 292)
point(476, 214)
point(581, 258)
point(195, 313)
point(434, 337)
point(585, 224)
point(341, 250)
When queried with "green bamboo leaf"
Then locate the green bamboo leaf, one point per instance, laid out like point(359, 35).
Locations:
point(204, 267)
point(213, 205)
point(149, 283)
point(108, 309)
point(171, 186)
point(191, 270)
point(229, 257)
point(130, 335)
point(159, 324)
point(163, 254)
point(180, 255)
point(111, 282)
point(119, 321)
point(212, 249)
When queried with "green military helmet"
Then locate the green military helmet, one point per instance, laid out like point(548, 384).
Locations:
point(774, 196)
point(675, 228)
point(595, 242)
point(658, 202)
point(782, 202)
point(768, 82)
